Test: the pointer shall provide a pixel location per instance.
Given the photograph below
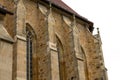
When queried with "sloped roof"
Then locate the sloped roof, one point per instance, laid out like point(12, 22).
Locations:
point(63, 6)
point(60, 4)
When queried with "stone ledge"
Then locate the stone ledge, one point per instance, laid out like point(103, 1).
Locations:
point(18, 78)
point(52, 46)
point(21, 37)
point(4, 35)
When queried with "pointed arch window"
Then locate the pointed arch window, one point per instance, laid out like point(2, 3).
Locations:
point(30, 50)
point(82, 64)
point(62, 69)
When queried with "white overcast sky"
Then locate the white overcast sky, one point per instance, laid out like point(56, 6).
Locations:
point(106, 15)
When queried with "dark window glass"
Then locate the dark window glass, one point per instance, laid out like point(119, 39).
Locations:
point(29, 55)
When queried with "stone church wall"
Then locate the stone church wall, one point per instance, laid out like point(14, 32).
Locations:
point(63, 47)
point(9, 20)
point(88, 42)
point(6, 50)
point(33, 18)
point(6, 43)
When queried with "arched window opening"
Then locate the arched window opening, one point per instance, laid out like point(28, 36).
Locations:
point(82, 65)
point(29, 54)
point(61, 60)
point(30, 37)
point(85, 63)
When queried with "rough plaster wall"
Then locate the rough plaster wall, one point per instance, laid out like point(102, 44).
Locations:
point(6, 50)
point(9, 19)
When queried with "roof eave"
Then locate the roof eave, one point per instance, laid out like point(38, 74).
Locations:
point(91, 28)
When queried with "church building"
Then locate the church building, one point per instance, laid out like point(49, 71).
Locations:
point(48, 40)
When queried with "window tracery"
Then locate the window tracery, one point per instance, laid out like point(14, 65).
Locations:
point(29, 56)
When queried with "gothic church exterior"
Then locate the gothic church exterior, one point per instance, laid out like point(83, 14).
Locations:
point(47, 40)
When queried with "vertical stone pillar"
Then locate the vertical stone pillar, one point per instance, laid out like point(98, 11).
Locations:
point(71, 60)
point(79, 54)
point(21, 59)
point(20, 41)
point(20, 18)
point(53, 48)
point(76, 43)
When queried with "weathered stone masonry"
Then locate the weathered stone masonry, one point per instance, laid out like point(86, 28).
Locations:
point(62, 45)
